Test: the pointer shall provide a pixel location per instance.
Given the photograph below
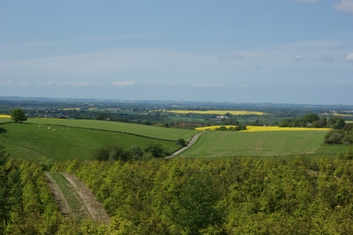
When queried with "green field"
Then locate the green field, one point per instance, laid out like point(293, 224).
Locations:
point(143, 130)
point(267, 144)
point(4, 120)
point(28, 141)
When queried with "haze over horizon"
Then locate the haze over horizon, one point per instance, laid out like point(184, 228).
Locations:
point(293, 51)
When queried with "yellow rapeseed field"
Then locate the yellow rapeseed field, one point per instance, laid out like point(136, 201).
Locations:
point(265, 128)
point(4, 116)
point(211, 128)
point(219, 112)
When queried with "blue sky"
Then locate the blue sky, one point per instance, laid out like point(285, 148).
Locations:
point(280, 51)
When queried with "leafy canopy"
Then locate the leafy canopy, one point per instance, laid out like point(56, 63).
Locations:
point(18, 115)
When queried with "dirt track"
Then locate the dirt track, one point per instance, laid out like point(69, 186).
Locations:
point(193, 140)
point(94, 208)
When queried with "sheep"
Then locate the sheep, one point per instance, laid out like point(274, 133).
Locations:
point(48, 128)
point(54, 130)
point(39, 126)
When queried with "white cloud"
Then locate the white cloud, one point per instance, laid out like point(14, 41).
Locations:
point(349, 57)
point(208, 85)
point(326, 58)
point(305, 1)
point(231, 56)
point(24, 83)
point(344, 5)
point(79, 84)
point(46, 83)
point(299, 57)
point(8, 83)
point(123, 83)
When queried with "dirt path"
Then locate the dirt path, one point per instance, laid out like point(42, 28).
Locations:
point(193, 140)
point(94, 208)
point(58, 196)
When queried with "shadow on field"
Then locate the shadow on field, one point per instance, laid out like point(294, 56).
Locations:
point(2, 130)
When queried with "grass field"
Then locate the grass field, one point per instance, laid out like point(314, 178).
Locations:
point(142, 130)
point(28, 141)
point(4, 120)
point(263, 128)
point(266, 144)
point(219, 112)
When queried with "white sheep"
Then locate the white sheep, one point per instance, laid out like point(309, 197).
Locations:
point(48, 128)
point(54, 130)
point(39, 126)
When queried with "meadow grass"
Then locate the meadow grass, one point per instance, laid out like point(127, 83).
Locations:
point(4, 120)
point(263, 128)
point(137, 129)
point(46, 146)
point(219, 112)
point(265, 144)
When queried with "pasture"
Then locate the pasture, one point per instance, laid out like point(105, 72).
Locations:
point(28, 141)
point(262, 128)
point(137, 129)
point(264, 144)
point(219, 112)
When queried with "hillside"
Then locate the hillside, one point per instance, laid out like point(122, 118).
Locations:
point(265, 144)
point(29, 141)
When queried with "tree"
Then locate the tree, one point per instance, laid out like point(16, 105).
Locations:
point(155, 149)
point(181, 142)
point(18, 115)
point(193, 207)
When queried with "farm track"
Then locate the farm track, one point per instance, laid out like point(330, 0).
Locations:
point(58, 196)
point(192, 142)
point(90, 206)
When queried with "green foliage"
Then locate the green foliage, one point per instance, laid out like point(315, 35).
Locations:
point(221, 196)
point(156, 150)
point(18, 115)
point(240, 128)
point(193, 207)
point(181, 142)
point(333, 137)
point(336, 122)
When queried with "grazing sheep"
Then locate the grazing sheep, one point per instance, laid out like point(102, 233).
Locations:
point(48, 128)
point(54, 130)
point(39, 126)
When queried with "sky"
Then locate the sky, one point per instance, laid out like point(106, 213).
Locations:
point(277, 51)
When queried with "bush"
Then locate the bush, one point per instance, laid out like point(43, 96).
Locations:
point(333, 137)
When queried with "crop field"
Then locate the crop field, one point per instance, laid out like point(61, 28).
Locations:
point(29, 141)
point(219, 112)
point(5, 116)
point(266, 144)
point(141, 130)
